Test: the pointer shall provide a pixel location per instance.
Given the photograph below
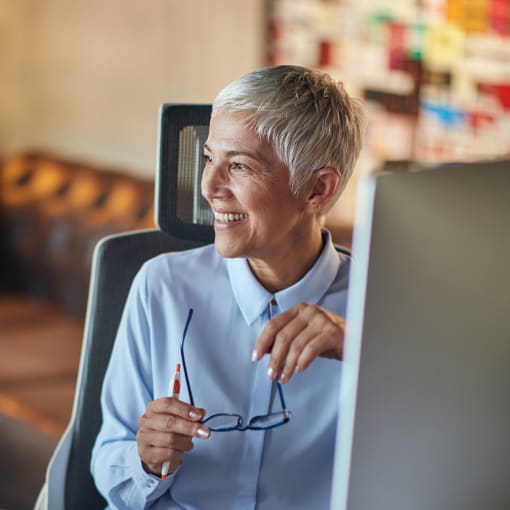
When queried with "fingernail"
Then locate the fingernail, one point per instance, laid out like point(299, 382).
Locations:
point(283, 378)
point(271, 373)
point(204, 434)
point(298, 370)
point(254, 355)
point(194, 415)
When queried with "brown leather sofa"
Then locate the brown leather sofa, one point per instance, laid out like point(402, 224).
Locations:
point(52, 213)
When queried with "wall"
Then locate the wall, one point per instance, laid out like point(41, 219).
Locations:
point(86, 78)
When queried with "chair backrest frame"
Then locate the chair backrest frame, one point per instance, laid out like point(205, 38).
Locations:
point(109, 286)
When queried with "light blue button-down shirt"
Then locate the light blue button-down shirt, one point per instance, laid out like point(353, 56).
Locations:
point(289, 467)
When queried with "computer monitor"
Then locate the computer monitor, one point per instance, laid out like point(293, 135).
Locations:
point(424, 415)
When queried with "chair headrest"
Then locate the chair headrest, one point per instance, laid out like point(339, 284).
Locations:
point(181, 211)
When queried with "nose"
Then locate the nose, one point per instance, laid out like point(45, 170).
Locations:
point(214, 181)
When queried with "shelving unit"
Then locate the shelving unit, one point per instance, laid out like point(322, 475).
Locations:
point(435, 73)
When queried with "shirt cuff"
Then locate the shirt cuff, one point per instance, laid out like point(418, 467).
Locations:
point(151, 486)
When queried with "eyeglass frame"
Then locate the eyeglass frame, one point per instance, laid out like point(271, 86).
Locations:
point(286, 414)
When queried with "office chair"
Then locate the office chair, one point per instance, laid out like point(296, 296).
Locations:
point(184, 221)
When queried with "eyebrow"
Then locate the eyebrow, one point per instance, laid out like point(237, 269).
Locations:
point(253, 155)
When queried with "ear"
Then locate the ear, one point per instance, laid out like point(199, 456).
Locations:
point(322, 188)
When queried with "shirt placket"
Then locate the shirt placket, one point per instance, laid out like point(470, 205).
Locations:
point(253, 445)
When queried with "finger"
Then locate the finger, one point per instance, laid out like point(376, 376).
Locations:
point(173, 463)
point(172, 405)
point(266, 339)
point(318, 346)
point(164, 440)
point(306, 346)
point(331, 329)
point(322, 336)
point(328, 328)
point(153, 458)
point(283, 343)
point(171, 423)
point(290, 365)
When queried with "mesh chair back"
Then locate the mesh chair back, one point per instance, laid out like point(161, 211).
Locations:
point(180, 208)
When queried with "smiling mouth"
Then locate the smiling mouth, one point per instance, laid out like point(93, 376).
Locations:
point(228, 217)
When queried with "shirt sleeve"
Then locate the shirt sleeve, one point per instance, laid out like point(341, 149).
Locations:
point(116, 467)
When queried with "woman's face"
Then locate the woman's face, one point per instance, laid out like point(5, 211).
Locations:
point(255, 213)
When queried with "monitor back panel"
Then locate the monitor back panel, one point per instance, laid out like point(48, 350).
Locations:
point(425, 408)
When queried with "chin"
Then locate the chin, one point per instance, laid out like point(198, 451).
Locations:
point(227, 250)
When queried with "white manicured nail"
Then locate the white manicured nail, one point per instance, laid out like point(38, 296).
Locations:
point(203, 433)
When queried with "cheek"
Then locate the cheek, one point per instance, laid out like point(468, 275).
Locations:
point(262, 207)
point(264, 200)
point(203, 185)
point(253, 198)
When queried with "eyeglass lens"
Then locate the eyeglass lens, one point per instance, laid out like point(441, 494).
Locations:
point(225, 422)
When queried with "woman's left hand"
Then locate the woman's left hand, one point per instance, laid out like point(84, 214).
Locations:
point(294, 338)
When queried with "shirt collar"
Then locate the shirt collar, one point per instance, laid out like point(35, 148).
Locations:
point(253, 299)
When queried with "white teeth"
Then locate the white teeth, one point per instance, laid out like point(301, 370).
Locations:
point(226, 217)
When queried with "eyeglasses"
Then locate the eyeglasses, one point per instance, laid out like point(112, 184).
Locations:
point(225, 422)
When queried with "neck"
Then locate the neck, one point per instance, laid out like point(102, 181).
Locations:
point(285, 269)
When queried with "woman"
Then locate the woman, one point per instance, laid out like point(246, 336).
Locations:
point(266, 304)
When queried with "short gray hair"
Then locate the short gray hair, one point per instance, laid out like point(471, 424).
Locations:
point(307, 117)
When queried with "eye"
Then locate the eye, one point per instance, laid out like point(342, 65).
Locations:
point(207, 158)
point(240, 166)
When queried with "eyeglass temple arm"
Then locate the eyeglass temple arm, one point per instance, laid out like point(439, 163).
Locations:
point(192, 401)
point(282, 400)
point(188, 320)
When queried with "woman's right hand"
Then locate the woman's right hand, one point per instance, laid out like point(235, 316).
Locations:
point(165, 432)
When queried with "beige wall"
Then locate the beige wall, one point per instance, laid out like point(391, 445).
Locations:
point(86, 77)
